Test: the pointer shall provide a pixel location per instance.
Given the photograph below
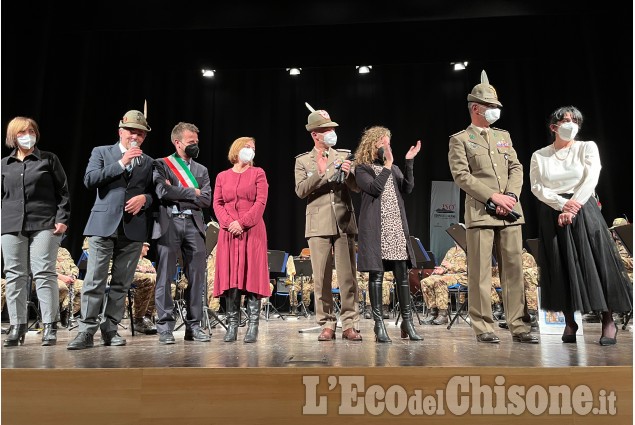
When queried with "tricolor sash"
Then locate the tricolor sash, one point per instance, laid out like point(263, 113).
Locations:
point(181, 171)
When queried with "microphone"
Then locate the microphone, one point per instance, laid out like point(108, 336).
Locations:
point(137, 159)
point(340, 176)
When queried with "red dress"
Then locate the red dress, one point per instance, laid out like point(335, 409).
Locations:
point(241, 261)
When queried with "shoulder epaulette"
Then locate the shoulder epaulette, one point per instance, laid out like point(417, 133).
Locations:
point(456, 134)
point(499, 129)
point(302, 154)
point(343, 150)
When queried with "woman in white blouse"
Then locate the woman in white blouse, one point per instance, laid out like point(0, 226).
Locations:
point(580, 268)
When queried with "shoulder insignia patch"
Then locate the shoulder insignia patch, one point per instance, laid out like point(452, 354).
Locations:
point(456, 134)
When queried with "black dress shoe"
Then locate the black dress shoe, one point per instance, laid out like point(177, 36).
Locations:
point(526, 337)
point(196, 335)
point(605, 340)
point(82, 340)
point(166, 337)
point(112, 338)
point(489, 337)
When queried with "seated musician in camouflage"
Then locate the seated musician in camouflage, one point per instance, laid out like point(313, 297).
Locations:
point(624, 255)
point(453, 270)
point(144, 282)
point(213, 303)
point(67, 273)
point(301, 285)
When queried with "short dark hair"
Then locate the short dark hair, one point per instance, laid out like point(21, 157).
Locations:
point(558, 115)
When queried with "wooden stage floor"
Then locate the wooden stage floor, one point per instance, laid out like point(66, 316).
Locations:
point(287, 374)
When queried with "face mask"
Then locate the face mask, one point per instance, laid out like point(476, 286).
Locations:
point(380, 153)
point(192, 150)
point(568, 130)
point(27, 141)
point(246, 155)
point(330, 138)
point(492, 115)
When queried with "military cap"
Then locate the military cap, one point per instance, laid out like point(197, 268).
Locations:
point(318, 119)
point(134, 119)
point(484, 92)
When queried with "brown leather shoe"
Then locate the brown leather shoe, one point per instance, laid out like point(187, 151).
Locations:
point(327, 334)
point(352, 335)
point(489, 337)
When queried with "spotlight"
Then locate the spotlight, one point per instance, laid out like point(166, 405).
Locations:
point(294, 71)
point(208, 73)
point(459, 66)
point(364, 69)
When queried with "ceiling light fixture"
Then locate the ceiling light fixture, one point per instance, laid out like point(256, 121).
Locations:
point(459, 66)
point(294, 71)
point(364, 69)
point(208, 73)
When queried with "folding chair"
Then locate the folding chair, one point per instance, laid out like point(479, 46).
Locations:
point(455, 291)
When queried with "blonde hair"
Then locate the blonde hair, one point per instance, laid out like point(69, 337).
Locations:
point(366, 152)
point(235, 148)
point(17, 125)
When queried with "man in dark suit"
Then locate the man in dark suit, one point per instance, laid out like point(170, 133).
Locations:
point(117, 227)
point(183, 188)
point(330, 225)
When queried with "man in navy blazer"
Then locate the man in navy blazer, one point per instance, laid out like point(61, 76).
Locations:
point(117, 227)
point(183, 190)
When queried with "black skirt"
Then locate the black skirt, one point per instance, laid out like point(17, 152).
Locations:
point(580, 268)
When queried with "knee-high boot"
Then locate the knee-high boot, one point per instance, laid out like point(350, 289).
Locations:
point(253, 316)
point(375, 280)
point(403, 292)
point(232, 305)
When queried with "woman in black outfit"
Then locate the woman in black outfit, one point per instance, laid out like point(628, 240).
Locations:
point(384, 238)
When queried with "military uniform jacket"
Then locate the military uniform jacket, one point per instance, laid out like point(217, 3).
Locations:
point(481, 168)
point(329, 208)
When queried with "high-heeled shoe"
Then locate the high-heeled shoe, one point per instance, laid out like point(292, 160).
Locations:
point(16, 335)
point(570, 338)
point(605, 340)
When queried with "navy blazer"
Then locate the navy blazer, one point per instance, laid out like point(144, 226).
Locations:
point(114, 189)
point(184, 197)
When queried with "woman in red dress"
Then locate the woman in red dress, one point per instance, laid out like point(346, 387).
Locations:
point(240, 198)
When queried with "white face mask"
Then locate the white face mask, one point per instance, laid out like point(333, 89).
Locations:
point(568, 130)
point(246, 155)
point(27, 141)
point(330, 138)
point(492, 115)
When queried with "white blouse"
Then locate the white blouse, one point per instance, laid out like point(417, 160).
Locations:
point(573, 170)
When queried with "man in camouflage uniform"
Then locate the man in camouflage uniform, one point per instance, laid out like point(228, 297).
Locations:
point(453, 269)
point(67, 273)
point(144, 282)
point(301, 285)
point(624, 255)
point(530, 280)
point(213, 303)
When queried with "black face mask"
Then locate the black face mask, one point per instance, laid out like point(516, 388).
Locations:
point(192, 150)
point(380, 154)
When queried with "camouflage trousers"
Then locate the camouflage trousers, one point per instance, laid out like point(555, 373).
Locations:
point(77, 295)
point(303, 286)
point(143, 302)
point(436, 294)
point(531, 290)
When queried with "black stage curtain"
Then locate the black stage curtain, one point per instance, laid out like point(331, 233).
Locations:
point(78, 83)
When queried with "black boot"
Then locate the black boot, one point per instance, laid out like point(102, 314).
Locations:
point(442, 318)
point(16, 334)
point(253, 317)
point(232, 305)
point(375, 280)
point(432, 314)
point(49, 336)
point(403, 292)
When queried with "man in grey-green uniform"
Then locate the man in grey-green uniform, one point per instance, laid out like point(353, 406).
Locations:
point(485, 166)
